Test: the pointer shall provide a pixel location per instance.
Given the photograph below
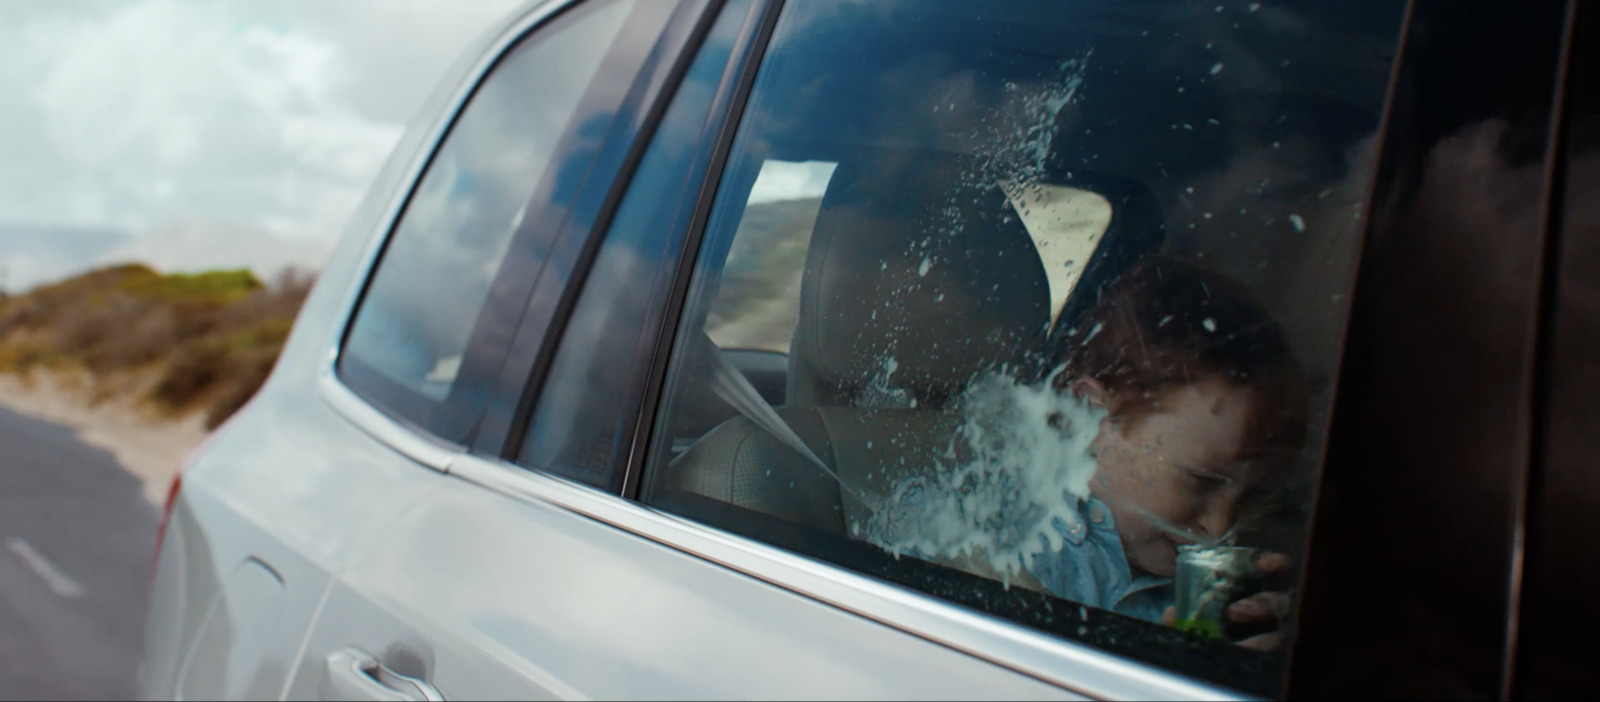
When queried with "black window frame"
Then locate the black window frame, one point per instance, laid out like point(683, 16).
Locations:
point(727, 111)
point(1559, 563)
point(455, 419)
point(549, 309)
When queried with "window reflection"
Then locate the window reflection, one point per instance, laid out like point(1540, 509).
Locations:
point(435, 274)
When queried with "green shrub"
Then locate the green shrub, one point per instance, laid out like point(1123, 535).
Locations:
point(217, 287)
point(212, 337)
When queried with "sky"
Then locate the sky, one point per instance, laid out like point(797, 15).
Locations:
point(790, 180)
point(195, 134)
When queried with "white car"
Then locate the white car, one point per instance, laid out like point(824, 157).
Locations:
point(760, 349)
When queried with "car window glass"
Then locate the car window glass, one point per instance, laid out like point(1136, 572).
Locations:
point(419, 310)
point(1069, 297)
point(756, 306)
point(579, 418)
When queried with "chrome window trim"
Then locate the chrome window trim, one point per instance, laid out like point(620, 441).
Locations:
point(411, 442)
point(1066, 664)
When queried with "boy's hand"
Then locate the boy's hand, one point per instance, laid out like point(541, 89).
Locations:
point(1271, 605)
point(1267, 606)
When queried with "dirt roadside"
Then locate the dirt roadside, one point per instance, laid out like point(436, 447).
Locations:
point(149, 446)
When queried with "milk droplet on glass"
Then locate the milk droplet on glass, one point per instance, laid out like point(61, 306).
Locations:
point(1093, 332)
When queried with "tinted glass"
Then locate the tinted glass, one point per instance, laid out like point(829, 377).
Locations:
point(422, 304)
point(579, 419)
point(1057, 288)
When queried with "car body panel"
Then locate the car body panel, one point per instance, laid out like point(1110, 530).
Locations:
point(297, 509)
point(252, 494)
point(520, 598)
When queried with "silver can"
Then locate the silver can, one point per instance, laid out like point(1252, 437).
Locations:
point(1207, 579)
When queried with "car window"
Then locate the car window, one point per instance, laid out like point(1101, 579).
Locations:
point(578, 424)
point(1058, 290)
point(524, 126)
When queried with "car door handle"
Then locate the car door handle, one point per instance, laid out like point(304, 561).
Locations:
point(353, 675)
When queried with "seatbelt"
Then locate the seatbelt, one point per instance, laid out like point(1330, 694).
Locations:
point(735, 389)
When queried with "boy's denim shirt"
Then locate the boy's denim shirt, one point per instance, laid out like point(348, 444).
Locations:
point(1092, 569)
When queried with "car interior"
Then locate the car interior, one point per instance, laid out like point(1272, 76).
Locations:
point(893, 323)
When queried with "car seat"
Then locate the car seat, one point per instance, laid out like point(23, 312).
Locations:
point(917, 278)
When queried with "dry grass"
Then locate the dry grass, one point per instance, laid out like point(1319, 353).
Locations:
point(211, 338)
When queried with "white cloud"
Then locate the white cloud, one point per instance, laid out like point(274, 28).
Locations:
point(191, 246)
point(790, 180)
point(269, 116)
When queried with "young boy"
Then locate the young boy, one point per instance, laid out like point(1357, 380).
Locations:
point(1205, 407)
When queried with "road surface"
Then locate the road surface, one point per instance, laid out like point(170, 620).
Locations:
point(76, 537)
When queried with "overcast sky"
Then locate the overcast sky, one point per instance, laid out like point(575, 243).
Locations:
point(203, 133)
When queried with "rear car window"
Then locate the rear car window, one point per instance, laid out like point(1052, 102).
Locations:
point(1058, 290)
point(516, 147)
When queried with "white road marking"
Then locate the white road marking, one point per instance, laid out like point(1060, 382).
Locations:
point(66, 588)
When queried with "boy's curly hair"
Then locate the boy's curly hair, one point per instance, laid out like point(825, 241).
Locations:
point(1166, 322)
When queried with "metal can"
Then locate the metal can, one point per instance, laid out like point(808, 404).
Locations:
point(1207, 579)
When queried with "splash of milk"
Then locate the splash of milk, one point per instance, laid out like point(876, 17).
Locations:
point(1019, 462)
point(1024, 130)
point(1014, 144)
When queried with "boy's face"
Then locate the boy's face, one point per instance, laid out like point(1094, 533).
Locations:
point(1180, 462)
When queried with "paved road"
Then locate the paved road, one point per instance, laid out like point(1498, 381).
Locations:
point(76, 537)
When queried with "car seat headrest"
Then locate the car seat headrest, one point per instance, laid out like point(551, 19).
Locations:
point(918, 276)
